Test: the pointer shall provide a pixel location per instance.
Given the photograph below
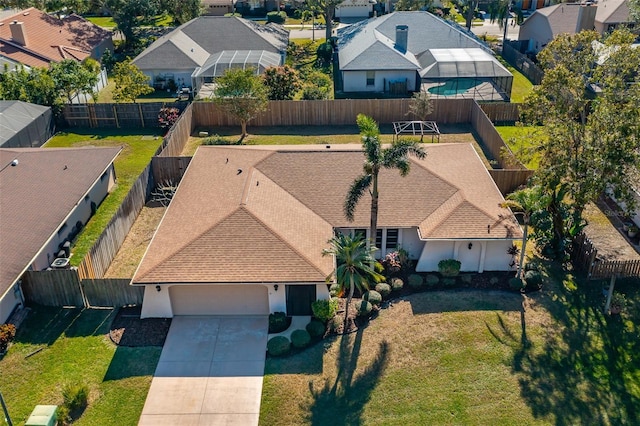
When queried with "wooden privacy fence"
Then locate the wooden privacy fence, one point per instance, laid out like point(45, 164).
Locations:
point(509, 180)
point(117, 115)
point(492, 139)
point(523, 64)
point(65, 288)
point(178, 136)
point(501, 112)
point(337, 112)
point(169, 169)
point(98, 259)
point(584, 255)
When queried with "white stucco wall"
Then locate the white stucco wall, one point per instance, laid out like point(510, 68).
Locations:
point(484, 255)
point(356, 81)
point(82, 213)
point(157, 304)
point(7, 303)
point(354, 9)
point(635, 218)
point(537, 30)
point(411, 242)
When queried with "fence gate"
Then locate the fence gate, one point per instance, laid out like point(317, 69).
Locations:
point(58, 287)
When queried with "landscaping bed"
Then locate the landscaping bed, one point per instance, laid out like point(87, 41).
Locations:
point(128, 329)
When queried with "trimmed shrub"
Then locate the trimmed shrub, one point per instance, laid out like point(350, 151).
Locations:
point(533, 280)
point(278, 346)
point(75, 397)
point(466, 278)
point(334, 290)
point(448, 282)
point(324, 310)
point(7, 334)
point(278, 322)
point(300, 339)
point(515, 283)
point(324, 54)
point(364, 308)
point(432, 280)
point(384, 289)
point(276, 17)
point(64, 417)
point(315, 328)
point(531, 266)
point(494, 280)
point(415, 281)
point(372, 297)
point(336, 323)
point(449, 267)
point(397, 284)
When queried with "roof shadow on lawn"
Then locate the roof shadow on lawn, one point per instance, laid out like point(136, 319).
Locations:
point(44, 324)
point(458, 300)
point(132, 362)
point(289, 130)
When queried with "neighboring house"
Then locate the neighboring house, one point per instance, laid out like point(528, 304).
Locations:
point(245, 230)
point(217, 7)
point(200, 50)
point(24, 125)
point(36, 39)
point(571, 18)
point(405, 52)
point(350, 9)
point(46, 197)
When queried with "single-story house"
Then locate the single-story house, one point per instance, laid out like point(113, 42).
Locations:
point(250, 240)
point(217, 7)
point(24, 125)
point(36, 39)
point(200, 50)
point(358, 9)
point(405, 52)
point(570, 18)
point(46, 197)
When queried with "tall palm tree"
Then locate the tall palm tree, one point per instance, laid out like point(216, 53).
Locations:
point(377, 157)
point(526, 201)
point(353, 266)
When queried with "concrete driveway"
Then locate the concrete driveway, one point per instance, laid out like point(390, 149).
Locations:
point(210, 372)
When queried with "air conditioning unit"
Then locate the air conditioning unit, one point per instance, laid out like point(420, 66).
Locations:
point(61, 263)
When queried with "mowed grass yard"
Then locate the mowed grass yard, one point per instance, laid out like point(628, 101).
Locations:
point(470, 357)
point(138, 146)
point(75, 349)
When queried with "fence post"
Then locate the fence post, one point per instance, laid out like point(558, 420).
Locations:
point(141, 116)
point(115, 115)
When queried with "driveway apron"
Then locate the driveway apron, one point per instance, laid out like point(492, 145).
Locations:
point(210, 372)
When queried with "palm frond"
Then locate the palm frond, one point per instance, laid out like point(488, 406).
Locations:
point(367, 125)
point(357, 190)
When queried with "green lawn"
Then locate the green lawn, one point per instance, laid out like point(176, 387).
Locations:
point(106, 95)
point(469, 357)
point(522, 140)
point(75, 349)
point(134, 157)
point(102, 21)
point(521, 84)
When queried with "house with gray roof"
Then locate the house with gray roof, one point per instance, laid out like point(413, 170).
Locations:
point(571, 18)
point(405, 52)
point(200, 50)
point(46, 197)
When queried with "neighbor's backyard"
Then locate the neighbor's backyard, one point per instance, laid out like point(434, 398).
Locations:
point(138, 146)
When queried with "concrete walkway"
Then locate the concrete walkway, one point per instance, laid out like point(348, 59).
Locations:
point(210, 372)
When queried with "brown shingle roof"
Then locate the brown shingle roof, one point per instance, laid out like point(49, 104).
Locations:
point(50, 39)
point(264, 214)
point(37, 195)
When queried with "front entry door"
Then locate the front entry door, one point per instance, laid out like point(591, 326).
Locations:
point(299, 299)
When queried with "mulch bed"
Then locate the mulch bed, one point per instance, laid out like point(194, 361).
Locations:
point(127, 329)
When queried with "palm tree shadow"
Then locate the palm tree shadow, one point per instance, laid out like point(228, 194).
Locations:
point(343, 401)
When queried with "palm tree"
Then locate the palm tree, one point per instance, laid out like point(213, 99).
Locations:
point(376, 157)
point(526, 201)
point(353, 266)
point(500, 11)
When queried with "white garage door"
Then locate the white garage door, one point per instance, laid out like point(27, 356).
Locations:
point(219, 300)
point(352, 11)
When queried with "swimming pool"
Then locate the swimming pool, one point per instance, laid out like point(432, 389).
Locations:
point(453, 87)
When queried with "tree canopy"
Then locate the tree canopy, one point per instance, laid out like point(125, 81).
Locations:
point(589, 104)
point(242, 94)
point(130, 82)
point(72, 77)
